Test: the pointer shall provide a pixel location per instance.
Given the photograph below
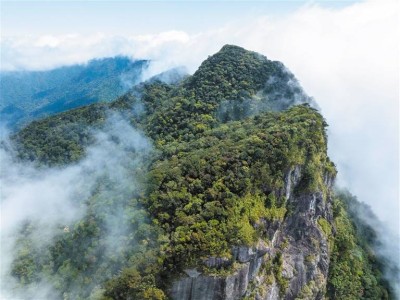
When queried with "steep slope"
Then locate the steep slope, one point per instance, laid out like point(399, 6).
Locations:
point(237, 195)
point(255, 201)
point(356, 269)
point(27, 96)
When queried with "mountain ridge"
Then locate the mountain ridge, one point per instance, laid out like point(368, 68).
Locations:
point(31, 95)
point(234, 204)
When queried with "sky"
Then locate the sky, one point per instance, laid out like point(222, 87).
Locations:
point(135, 17)
point(344, 53)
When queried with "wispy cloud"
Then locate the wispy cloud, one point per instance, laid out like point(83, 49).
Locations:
point(52, 200)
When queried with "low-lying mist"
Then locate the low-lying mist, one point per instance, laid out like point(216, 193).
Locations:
point(279, 93)
point(45, 209)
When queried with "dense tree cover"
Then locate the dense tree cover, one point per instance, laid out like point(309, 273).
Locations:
point(30, 95)
point(180, 112)
point(60, 139)
point(355, 271)
point(234, 77)
point(210, 202)
point(83, 255)
point(170, 113)
point(225, 138)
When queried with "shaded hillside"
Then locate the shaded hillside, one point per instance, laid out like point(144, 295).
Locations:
point(356, 270)
point(30, 95)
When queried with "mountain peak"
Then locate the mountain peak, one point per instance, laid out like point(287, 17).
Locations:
point(232, 69)
point(237, 50)
point(234, 73)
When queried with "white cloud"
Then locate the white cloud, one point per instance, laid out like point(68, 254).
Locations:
point(53, 199)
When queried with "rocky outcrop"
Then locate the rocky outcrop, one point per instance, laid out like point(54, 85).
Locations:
point(306, 253)
point(291, 262)
point(196, 286)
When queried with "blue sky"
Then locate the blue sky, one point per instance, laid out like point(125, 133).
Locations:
point(136, 17)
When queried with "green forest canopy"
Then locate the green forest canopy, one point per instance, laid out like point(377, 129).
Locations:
point(210, 182)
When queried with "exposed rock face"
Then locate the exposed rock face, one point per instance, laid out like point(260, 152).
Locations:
point(203, 287)
point(306, 256)
point(298, 240)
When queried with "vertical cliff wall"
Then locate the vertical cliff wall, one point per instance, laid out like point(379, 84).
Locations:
point(291, 261)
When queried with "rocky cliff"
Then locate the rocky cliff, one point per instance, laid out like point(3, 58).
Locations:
point(290, 261)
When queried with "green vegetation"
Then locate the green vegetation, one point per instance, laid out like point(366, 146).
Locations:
point(325, 226)
point(277, 269)
point(209, 202)
point(31, 95)
point(225, 139)
point(60, 139)
point(354, 271)
point(80, 257)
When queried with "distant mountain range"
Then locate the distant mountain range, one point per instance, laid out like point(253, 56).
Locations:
point(30, 95)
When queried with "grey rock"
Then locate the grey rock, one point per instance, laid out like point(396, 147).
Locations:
point(299, 239)
point(271, 294)
point(206, 287)
point(243, 254)
point(217, 262)
point(193, 273)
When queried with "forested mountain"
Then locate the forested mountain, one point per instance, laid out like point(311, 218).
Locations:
point(30, 95)
point(223, 189)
